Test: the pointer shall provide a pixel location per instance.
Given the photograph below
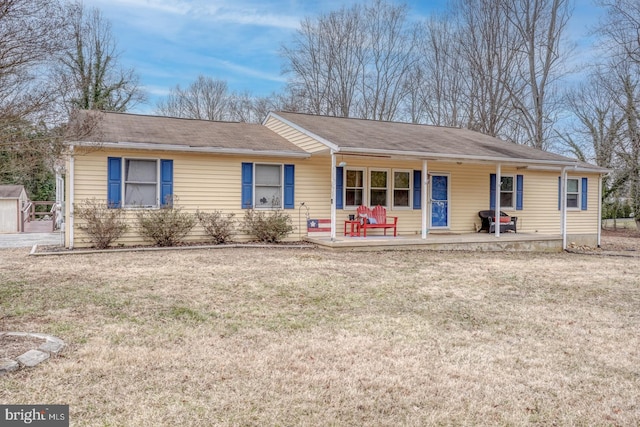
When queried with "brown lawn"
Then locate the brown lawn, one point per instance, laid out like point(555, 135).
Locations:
point(312, 337)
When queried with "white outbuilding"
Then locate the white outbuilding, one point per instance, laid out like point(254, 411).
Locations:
point(13, 198)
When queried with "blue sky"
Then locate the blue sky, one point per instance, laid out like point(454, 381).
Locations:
point(171, 42)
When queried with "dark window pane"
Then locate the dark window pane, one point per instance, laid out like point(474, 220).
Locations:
point(401, 198)
point(353, 197)
point(506, 200)
point(378, 197)
point(506, 183)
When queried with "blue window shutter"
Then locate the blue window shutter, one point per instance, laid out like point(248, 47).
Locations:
point(417, 189)
point(289, 186)
point(519, 192)
point(492, 191)
point(339, 186)
point(114, 182)
point(584, 193)
point(559, 193)
point(166, 183)
point(247, 185)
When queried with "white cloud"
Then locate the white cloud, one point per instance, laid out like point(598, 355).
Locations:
point(251, 72)
point(240, 12)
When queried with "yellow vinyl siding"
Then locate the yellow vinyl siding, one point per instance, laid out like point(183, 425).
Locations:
point(540, 212)
point(204, 182)
point(211, 182)
point(294, 136)
point(579, 221)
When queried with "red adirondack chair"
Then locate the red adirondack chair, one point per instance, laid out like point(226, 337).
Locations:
point(376, 218)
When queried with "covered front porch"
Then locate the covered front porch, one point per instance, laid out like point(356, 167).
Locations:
point(445, 241)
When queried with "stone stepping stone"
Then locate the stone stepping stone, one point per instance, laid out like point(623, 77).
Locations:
point(8, 365)
point(32, 357)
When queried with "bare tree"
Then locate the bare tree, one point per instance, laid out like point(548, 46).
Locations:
point(621, 42)
point(206, 99)
point(89, 74)
point(436, 86)
point(489, 57)
point(540, 26)
point(389, 58)
point(325, 62)
point(620, 29)
point(353, 62)
point(31, 32)
point(210, 99)
point(597, 133)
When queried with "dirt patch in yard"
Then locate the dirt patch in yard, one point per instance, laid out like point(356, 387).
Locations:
point(13, 346)
point(620, 240)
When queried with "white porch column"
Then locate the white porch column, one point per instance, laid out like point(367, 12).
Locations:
point(498, 207)
point(333, 195)
point(599, 208)
point(72, 197)
point(425, 207)
point(563, 208)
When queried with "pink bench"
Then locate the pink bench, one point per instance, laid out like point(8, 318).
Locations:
point(376, 218)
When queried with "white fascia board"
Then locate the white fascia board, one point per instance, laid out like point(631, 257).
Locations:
point(601, 171)
point(318, 138)
point(189, 149)
point(457, 157)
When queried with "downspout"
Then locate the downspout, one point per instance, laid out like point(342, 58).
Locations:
point(71, 196)
point(333, 196)
point(563, 209)
point(496, 219)
point(425, 188)
point(599, 208)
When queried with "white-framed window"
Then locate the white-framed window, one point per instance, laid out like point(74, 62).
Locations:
point(573, 193)
point(378, 187)
point(354, 187)
point(507, 192)
point(268, 186)
point(402, 188)
point(141, 183)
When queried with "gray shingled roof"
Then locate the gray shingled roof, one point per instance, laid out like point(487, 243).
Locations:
point(430, 141)
point(10, 191)
point(133, 128)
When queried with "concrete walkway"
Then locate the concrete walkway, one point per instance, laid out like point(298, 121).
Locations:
point(27, 240)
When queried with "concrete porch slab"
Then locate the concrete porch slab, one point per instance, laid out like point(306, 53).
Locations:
point(449, 241)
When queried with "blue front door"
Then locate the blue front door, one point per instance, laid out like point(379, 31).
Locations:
point(439, 201)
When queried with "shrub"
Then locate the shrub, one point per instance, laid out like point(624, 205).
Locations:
point(269, 228)
point(217, 226)
point(616, 209)
point(166, 226)
point(102, 224)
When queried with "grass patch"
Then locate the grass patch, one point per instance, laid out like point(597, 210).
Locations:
point(307, 337)
point(185, 314)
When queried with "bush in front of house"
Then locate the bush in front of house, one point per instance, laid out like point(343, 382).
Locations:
point(167, 226)
point(218, 226)
point(267, 227)
point(103, 224)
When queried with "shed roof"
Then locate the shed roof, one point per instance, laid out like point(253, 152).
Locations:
point(11, 191)
point(438, 142)
point(156, 132)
